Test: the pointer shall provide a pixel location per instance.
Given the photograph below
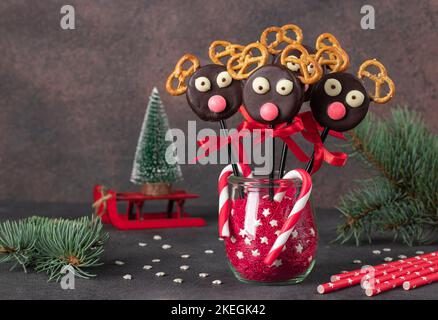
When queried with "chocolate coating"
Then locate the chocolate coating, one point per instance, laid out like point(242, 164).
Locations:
point(297, 53)
point(320, 101)
point(288, 105)
point(198, 100)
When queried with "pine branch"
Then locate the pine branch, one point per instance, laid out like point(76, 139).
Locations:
point(402, 199)
point(49, 245)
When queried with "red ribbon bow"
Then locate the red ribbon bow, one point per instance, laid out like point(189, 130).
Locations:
point(311, 134)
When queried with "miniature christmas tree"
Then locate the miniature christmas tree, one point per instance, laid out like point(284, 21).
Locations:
point(403, 198)
point(151, 169)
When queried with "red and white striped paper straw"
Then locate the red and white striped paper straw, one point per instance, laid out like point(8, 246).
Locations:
point(384, 266)
point(401, 271)
point(393, 277)
point(224, 198)
point(294, 215)
point(420, 281)
point(401, 280)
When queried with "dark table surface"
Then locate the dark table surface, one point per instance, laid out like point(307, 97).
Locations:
point(124, 246)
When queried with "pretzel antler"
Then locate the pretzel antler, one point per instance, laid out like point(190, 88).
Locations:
point(379, 79)
point(180, 74)
point(252, 57)
point(281, 37)
point(335, 58)
point(304, 60)
point(327, 40)
point(220, 49)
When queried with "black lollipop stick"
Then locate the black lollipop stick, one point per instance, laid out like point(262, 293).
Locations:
point(224, 129)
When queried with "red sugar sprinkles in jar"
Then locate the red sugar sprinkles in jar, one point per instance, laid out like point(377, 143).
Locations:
point(246, 252)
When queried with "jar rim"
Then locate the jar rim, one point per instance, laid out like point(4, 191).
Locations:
point(263, 179)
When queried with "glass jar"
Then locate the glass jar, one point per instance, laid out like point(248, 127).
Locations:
point(255, 221)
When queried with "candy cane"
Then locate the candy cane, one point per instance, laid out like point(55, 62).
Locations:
point(224, 198)
point(294, 215)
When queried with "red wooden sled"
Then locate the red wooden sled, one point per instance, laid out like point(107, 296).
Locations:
point(105, 204)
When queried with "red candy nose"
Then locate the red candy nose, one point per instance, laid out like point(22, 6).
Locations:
point(336, 111)
point(217, 103)
point(269, 111)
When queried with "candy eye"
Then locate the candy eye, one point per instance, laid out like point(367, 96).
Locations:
point(284, 87)
point(332, 87)
point(292, 66)
point(310, 68)
point(260, 85)
point(223, 79)
point(354, 98)
point(202, 84)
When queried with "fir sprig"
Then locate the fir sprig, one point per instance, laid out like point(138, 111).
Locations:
point(51, 245)
point(17, 243)
point(402, 199)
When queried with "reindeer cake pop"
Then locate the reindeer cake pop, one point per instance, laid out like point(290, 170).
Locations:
point(210, 90)
point(340, 100)
point(272, 94)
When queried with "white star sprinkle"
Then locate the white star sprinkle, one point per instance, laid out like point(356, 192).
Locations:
point(239, 255)
point(273, 223)
point(277, 263)
point(247, 241)
point(331, 285)
point(264, 240)
point(242, 233)
point(294, 234)
point(277, 233)
point(255, 252)
point(299, 248)
point(257, 223)
point(266, 212)
point(350, 281)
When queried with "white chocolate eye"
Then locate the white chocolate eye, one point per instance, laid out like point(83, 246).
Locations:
point(223, 79)
point(202, 84)
point(332, 87)
point(284, 87)
point(354, 98)
point(292, 66)
point(260, 85)
point(311, 68)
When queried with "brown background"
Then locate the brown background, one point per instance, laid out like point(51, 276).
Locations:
point(72, 102)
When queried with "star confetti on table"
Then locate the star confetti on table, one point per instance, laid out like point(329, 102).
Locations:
point(264, 240)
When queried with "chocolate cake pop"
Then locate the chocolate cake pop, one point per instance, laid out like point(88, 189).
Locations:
point(340, 100)
point(272, 94)
point(210, 90)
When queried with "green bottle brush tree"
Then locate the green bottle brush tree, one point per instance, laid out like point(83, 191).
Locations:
point(151, 169)
point(402, 198)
